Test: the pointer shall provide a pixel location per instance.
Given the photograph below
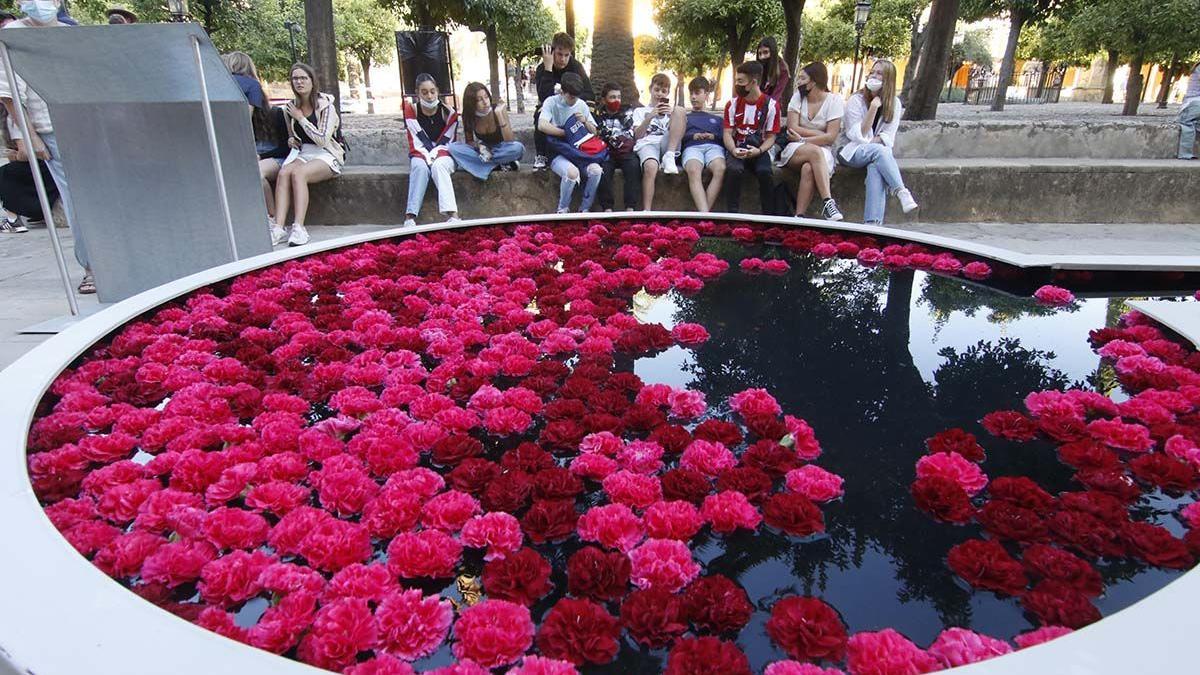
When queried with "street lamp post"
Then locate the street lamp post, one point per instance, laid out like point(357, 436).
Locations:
point(292, 27)
point(178, 10)
point(862, 13)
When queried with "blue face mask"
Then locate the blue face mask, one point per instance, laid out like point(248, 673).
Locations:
point(41, 11)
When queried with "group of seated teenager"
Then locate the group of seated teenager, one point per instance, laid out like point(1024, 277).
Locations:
point(300, 143)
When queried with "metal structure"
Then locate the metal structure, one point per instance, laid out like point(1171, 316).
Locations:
point(862, 14)
point(1036, 87)
point(159, 156)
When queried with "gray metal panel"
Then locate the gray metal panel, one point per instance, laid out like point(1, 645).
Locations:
point(125, 103)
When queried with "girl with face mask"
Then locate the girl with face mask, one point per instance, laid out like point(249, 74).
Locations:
point(868, 137)
point(488, 142)
point(775, 71)
point(432, 127)
point(814, 122)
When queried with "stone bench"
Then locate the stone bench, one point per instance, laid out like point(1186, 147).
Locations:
point(959, 191)
point(1119, 139)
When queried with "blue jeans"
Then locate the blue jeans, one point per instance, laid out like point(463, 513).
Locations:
point(419, 173)
point(564, 168)
point(1189, 116)
point(883, 178)
point(60, 180)
point(468, 158)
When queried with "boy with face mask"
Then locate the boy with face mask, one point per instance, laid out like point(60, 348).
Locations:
point(614, 123)
point(751, 124)
point(44, 144)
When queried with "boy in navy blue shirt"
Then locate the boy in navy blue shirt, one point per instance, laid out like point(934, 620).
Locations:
point(699, 134)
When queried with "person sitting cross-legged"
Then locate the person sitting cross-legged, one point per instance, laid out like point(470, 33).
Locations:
point(488, 142)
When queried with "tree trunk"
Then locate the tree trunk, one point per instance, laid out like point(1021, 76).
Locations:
point(322, 50)
point(1016, 20)
point(927, 86)
point(366, 76)
point(738, 43)
point(916, 38)
point(1110, 71)
point(793, 10)
point(612, 47)
point(1133, 86)
point(569, 19)
point(1168, 79)
point(718, 88)
point(520, 68)
point(493, 59)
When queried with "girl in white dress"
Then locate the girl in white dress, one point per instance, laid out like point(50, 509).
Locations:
point(813, 122)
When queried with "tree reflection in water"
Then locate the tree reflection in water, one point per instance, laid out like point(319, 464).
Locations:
point(831, 340)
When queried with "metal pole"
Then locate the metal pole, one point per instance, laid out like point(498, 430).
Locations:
point(43, 198)
point(854, 69)
point(212, 147)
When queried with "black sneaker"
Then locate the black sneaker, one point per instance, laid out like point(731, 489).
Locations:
point(510, 167)
point(830, 210)
point(12, 226)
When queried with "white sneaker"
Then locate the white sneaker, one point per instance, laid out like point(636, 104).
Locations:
point(409, 222)
point(539, 162)
point(830, 210)
point(278, 234)
point(668, 163)
point(485, 153)
point(907, 203)
point(454, 219)
point(299, 236)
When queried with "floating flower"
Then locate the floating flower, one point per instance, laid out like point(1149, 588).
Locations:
point(815, 483)
point(654, 617)
point(412, 625)
point(706, 656)
point(598, 574)
point(729, 510)
point(955, 467)
point(689, 334)
point(612, 525)
point(662, 563)
point(499, 533)
point(716, 604)
point(522, 577)
point(959, 646)
point(493, 633)
point(707, 457)
point(431, 554)
point(1053, 295)
point(579, 631)
point(884, 652)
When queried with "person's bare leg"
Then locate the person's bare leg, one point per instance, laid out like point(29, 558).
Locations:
point(305, 175)
point(678, 126)
point(283, 192)
point(695, 175)
point(268, 170)
point(804, 189)
point(816, 159)
point(649, 174)
point(717, 167)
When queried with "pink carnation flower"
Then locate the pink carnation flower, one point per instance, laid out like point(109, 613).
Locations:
point(870, 256)
point(825, 250)
point(605, 442)
point(1191, 515)
point(752, 265)
point(977, 271)
point(754, 402)
point(686, 404)
point(493, 633)
point(707, 457)
point(1183, 448)
point(1040, 635)
point(632, 489)
point(426, 554)
point(801, 438)
point(540, 665)
point(611, 525)
point(673, 520)
point(641, 457)
point(815, 483)
point(1053, 295)
point(886, 652)
point(449, 511)
point(954, 466)
point(1132, 437)
point(412, 625)
point(728, 510)
point(959, 646)
point(499, 532)
point(662, 563)
point(1118, 349)
point(776, 266)
point(593, 465)
point(797, 668)
point(689, 334)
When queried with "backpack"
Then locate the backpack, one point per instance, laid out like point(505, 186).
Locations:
point(580, 146)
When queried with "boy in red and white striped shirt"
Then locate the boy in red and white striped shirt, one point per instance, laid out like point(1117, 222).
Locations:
point(751, 124)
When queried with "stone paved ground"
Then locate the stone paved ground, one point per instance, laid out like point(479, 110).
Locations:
point(30, 291)
point(1063, 112)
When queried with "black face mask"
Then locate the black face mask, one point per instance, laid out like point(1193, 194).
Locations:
point(765, 62)
point(740, 90)
point(804, 90)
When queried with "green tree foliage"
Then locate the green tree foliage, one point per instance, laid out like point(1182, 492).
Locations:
point(887, 32)
point(523, 37)
point(1020, 13)
point(826, 39)
point(739, 24)
point(365, 30)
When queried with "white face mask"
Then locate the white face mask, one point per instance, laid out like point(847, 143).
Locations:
point(483, 112)
point(41, 11)
point(429, 106)
point(874, 84)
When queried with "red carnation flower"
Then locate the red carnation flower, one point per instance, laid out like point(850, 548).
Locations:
point(1086, 534)
point(1053, 563)
point(1157, 546)
point(943, 498)
point(1011, 425)
point(718, 431)
point(985, 564)
point(807, 629)
point(1113, 482)
point(716, 604)
point(522, 577)
point(474, 475)
point(579, 631)
point(1021, 491)
point(957, 441)
point(1006, 520)
point(556, 483)
point(1055, 603)
point(597, 574)
point(550, 520)
point(771, 457)
point(706, 656)
point(794, 514)
point(688, 485)
point(1088, 455)
point(1164, 471)
point(654, 617)
point(754, 483)
point(508, 492)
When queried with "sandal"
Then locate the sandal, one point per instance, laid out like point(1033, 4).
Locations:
point(88, 285)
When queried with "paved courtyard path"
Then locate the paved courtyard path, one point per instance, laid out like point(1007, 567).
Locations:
point(30, 291)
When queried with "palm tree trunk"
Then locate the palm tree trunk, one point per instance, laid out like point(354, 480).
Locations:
point(569, 18)
point(793, 10)
point(1110, 71)
point(927, 86)
point(1016, 20)
point(612, 46)
point(1133, 86)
